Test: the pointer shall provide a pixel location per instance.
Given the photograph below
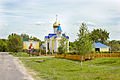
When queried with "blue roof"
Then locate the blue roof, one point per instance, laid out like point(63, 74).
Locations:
point(59, 28)
point(99, 45)
point(51, 35)
point(63, 34)
point(67, 37)
point(47, 37)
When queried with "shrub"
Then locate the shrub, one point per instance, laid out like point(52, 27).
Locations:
point(110, 52)
point(43, 52)
point(77, 53)
point(49, 52)
point(73, 53)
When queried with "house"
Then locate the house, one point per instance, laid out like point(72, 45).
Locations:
point(100, 47)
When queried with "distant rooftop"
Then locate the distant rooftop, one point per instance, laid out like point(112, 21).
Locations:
point(99, 45)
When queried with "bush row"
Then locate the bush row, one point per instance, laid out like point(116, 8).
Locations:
point(110, 52)
point(77, 53)
point(73, 53)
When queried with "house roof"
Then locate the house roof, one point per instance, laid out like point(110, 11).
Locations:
point(99, 45)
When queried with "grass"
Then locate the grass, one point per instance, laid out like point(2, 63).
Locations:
point(105, 61)
point(22, 54)
point(62, 69)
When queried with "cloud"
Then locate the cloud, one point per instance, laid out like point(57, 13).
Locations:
point(36, 17)
point(40, 22)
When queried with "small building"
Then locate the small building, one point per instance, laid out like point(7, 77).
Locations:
point(52, 41)
point(100, 47)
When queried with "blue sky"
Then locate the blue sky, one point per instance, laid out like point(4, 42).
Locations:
point(36, 17)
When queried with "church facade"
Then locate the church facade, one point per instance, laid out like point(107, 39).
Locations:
point(52, 41)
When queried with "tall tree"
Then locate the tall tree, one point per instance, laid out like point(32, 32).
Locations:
point(83, 43)
point(15, 43)
point(62, 48)
point(99, 35)
point(72, 46)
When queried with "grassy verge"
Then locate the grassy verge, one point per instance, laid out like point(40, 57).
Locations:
point(113, 62)
point(62, 69)
point(22, 54)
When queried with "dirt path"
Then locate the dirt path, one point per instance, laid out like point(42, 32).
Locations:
point(12, 69)
point(38, 57)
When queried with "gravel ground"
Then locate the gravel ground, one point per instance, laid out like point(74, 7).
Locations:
point(12, 69)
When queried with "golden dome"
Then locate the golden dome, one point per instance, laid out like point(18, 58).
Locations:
point(55, 25)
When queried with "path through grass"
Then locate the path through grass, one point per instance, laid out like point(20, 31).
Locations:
point(21, 54)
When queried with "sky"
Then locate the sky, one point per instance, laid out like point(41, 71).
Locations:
point(36, 17)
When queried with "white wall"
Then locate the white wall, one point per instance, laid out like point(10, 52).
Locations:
point(104, 49)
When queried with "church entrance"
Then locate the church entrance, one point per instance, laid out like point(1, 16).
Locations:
point(48, 46)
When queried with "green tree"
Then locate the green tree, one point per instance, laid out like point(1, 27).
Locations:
point(36, 39)
point(114, 45)
point(25, 37)
point(99, 35)
point(72, 46)
point(62, 48)
point(15, 43)
point(83, 43)
point(3, 45)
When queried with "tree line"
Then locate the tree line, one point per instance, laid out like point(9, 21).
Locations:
point(97, 35)
point(14, 43)
point(83, 44)
point(86, 38)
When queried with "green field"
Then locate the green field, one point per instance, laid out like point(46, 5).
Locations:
point(62, 69)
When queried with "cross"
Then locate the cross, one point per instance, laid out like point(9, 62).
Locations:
point(56, 17)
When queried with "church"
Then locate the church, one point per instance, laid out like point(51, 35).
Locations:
point(52, 41)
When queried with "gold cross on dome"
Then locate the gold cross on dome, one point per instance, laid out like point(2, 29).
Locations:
point(56, 17)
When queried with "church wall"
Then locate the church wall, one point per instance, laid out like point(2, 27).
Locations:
point(52, 46)
point(67, 45)
point(55, 43)
point(55, 30)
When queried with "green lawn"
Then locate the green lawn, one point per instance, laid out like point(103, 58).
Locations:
point(62, 69)
point(105, 61)
point(21, 54)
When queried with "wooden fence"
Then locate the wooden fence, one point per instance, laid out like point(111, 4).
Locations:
point(88, 56)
